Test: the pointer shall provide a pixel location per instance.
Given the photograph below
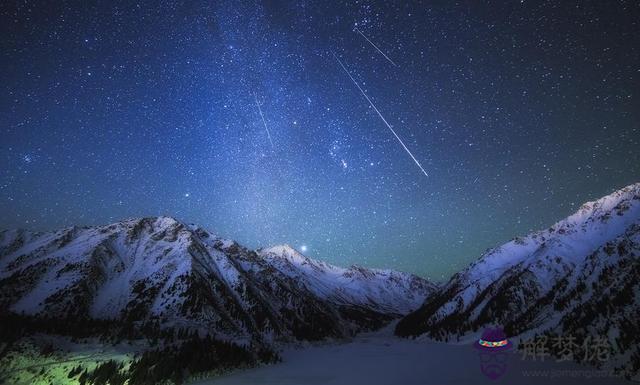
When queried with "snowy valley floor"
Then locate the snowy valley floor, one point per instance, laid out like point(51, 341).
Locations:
point(381, 359)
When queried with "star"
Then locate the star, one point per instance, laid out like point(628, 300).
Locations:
point(511, 135)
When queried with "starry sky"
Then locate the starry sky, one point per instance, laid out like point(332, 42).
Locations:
point(238, 116)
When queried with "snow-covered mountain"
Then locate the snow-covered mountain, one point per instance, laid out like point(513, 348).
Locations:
point(173, 274)
point(384, 291)
point(579, 277)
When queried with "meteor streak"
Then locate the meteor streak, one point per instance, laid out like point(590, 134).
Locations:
point(380, 115)
point(376, 47)
point(255, 95)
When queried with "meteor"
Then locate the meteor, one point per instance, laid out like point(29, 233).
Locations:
point(380, 115)
point(255, 95)
point(376, 47)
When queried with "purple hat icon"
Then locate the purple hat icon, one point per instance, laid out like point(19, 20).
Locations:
point(492, 349)
point(493, 340)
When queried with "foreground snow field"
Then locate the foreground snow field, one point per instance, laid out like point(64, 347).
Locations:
point(379, 358)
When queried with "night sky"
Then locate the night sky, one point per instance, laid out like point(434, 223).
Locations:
point(518, 111)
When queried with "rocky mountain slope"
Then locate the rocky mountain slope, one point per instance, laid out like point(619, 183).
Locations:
point(161, 271)
point(580, 278)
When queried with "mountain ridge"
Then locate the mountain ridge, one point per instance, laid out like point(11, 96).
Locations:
point(161, 270)
point(580, 276)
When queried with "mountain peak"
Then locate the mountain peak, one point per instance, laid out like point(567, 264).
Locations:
point(162, 269)
point(156, 221)
point(282, 250)
point(600, 209)
point(579, 275)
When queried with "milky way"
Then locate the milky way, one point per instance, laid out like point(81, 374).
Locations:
point(236, 116)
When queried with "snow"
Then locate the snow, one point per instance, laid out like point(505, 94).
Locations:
point(571, 239)
point(148, 263)
point(380, 359)
point(385, 289)
point(568, 258)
